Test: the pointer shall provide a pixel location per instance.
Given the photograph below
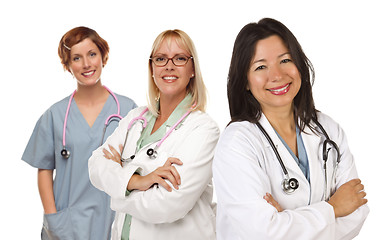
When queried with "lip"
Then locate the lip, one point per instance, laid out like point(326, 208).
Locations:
point(169, 78)
point(280, 90)
point(88, 74)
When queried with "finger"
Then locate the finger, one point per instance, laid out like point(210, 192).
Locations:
point(166, 174)
point(176, 175)
point(107, 154)
point(116, 155)
point(172, 160)
point(121, 147)
point(354, 182)
point(362, 194)
point(359, 187)
point(274, 203)
point(163, 183)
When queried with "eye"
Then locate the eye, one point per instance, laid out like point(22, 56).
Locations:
point(159, 59)
point(75, 59)
point(261, 67)
point(93, 54)
point(287, 60)
point(181, 58)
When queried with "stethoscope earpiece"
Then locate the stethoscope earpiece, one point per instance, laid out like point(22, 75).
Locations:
point(65, 153)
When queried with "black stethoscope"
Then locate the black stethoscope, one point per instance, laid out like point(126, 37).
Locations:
point(289, 185)
point(65, 152)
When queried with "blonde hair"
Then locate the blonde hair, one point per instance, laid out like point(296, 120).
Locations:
point(195, 86)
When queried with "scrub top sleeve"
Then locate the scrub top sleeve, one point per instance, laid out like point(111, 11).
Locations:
point(241, 182)
point(157, 205)
point(40, 151)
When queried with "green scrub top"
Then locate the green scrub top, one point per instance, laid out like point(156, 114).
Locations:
point(146, 138)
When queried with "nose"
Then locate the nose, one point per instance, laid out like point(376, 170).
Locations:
point(86, 63)
point(170, 65)
point(275, 73)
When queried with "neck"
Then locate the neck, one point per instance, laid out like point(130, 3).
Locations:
point(168, 104)
point(282, 120)
point(90, 94)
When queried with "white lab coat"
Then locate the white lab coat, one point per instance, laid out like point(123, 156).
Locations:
point(245, 168)
point(187, 213)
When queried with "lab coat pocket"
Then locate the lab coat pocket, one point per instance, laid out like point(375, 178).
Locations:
point(57, 226)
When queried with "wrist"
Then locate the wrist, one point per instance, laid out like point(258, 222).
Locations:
point(132, 183)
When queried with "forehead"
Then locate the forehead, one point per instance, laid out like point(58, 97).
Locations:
point(83, 46)
point(171, 45)
point(270, 47)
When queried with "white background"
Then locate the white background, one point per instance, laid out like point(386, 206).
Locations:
point(349, 43)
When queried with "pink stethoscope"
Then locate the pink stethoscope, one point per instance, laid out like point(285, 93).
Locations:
point(66, 153)
point(151, 152)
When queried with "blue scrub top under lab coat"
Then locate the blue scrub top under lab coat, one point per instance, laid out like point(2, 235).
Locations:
point(83, 212)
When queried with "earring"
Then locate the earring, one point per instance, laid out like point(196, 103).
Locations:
point(158, 96)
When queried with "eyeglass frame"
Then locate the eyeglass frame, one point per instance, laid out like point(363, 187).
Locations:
point(168, 59)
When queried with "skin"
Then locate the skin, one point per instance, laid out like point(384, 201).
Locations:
point(172, 92)
point(90, 97)
point(274, 81)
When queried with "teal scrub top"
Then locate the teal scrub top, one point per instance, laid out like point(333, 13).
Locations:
point(83, 212)
point(302, 159)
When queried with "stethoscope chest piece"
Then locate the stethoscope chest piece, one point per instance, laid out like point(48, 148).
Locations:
point(289, 185)
point(151, 153)
point(65, 153)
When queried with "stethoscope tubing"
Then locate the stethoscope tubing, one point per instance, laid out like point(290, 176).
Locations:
point(152, 152)
point(108, 120)
point(287, 188)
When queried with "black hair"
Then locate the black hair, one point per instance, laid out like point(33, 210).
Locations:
point(243, 105)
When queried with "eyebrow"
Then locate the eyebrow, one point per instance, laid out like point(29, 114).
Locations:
point(263, 60)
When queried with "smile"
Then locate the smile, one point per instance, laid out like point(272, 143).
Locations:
point(170, 78)
point(88, 74)
point(280, 90)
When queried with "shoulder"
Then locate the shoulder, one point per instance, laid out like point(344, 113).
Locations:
point(135, 112)
point(242, 132)
point(199, 119)
point(57, 109)
point(332, 128)
point(123, 100)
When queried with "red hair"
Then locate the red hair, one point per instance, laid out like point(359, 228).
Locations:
point(75, 36)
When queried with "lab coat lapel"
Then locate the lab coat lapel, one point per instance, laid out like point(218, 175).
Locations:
point(291, 165)
point(312, 144)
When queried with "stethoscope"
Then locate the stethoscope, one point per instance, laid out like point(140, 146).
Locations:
point(289, 185)
point(151, 152)
point(65, 152)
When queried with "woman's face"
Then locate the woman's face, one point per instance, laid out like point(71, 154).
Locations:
point(273, 78)
point(170, 79)
point(86, 62)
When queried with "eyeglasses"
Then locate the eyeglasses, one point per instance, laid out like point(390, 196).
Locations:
point(178, 60)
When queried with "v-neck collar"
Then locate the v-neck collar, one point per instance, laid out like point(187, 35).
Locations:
point(146, 136)
point(98, 119)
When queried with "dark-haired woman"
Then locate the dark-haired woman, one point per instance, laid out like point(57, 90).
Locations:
point(282, 169)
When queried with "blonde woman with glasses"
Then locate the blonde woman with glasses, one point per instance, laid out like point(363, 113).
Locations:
point(157, 164)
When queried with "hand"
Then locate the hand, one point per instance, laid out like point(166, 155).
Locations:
point(167, 171)
point(268, 197)
point(349, 197)
point(113, 155)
